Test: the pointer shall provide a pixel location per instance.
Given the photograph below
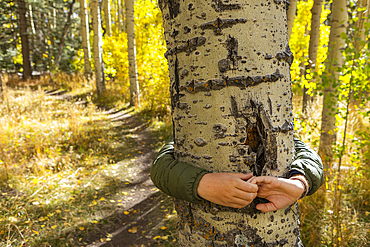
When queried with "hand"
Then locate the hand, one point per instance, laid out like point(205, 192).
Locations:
point(281, 192)
point(227, 189)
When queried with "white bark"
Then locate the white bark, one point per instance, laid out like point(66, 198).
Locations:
point(291, 15)
point(338, 24)
point(360, 34)
point(98, 49)
point(107, 17)
point(119, 15)
point(1, 84)
point(232, 111)
point(134, 84)
point(85, 37)
point(313, 46)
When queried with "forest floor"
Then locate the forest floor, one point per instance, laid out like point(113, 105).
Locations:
point(146, 217)
point(106, 198)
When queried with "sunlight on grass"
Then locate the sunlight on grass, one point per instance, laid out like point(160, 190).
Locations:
point(59, 174)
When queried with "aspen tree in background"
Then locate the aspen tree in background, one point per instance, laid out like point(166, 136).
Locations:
point(134, 84)
point(291, 15)
point(85, 37)
point(1, 83)
point(330, 82)
point(23, 31)
point(64, 34)
point(232, 111)
point(107, 16)
point(313, 46)
point(98, 50)
point(363, 6)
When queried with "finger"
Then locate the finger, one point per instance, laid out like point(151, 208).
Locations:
point(266, 207)
point(246, 196)
point(237, 202)
point(247, 187)
point(262, 180)
point(242, 176)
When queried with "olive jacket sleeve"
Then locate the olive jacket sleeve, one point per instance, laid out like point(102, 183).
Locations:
point(180, 179)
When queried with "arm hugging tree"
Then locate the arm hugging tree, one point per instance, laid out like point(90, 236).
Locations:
point(232, 111)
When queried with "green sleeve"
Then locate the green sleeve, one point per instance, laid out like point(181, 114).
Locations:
point(180, 179)
point(175, 178)
point(309, 163)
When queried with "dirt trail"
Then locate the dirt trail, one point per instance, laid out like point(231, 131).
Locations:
point(147, 206)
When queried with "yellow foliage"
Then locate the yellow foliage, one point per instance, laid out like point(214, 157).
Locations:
point(299, 43)
point(152, 68)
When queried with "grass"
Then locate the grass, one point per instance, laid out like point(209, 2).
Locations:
point(59, 173)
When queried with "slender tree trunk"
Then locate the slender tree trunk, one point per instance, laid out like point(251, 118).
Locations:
point(1, 84)
point(85, 37)
point(98, 49)
point(338, 24)
point(313, 46)
point(23, 31)
point(134, 84)
point(123, 16)
point(107, 17)
point(360, 34)
point(232, 111)
point(291, 15)
point(119, 15)
point(64, 34)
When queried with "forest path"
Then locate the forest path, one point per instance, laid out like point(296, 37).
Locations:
point(146, 206)
point(145, 217)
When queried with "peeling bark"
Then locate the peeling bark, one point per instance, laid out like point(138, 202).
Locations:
point(232, 111)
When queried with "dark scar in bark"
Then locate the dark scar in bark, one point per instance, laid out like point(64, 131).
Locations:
point(219, 24)
point(189, 46)
point(232, 55)
point(243, 82)
point(286, 55)
point(173, 7)
point(175, 93)
point(219, 6)
point(259, 137)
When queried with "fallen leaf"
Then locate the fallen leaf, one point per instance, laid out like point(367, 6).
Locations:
point(126, 212)
point(163, 227)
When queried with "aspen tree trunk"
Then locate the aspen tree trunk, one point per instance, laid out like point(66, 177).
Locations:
point(23, 31)
point(85, 37)
point(119, 15)
point(134, 84)
point(107, 17)
point(1, 84)
point(338, 24)
point(64, 34)
point(313, 46)
point(123, 16)
point(291, 15)
point(360, 35)
point(98, 49)
point(232, 111)
point(33, 32)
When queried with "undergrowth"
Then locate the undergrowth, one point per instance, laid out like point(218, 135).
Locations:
point(64, 166)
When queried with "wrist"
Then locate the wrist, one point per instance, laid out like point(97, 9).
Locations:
point(304, 182)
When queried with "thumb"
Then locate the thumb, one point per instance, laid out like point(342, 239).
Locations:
point(242, 176)
point(266, 207)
